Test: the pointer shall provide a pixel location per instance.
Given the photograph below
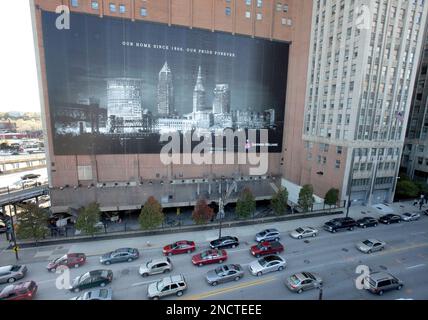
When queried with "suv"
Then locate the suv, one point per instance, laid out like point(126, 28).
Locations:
point(167, 286)
point(339, 224)
point(161, 265)
point(379, 282)
point(268, 235)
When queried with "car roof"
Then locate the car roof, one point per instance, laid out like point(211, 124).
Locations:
point(159, 260)
point(272, 257)
point(304, 275)
point(173, 279)
point(124, 250)
point(380, 275)
point(5, 268)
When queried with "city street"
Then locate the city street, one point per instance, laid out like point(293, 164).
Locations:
point(333, 256)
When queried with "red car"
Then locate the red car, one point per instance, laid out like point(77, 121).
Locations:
point(71, 260)
point(20, 291)
point(209, 257)
point(179, 247)
point(265, 248)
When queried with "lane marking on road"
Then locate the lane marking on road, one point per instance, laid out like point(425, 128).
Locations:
point(416, 266)
point(143, 283)
point(46, 281)
point(228, 289)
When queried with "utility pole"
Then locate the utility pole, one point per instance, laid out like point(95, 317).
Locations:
point(15, 246)
point(351, 179)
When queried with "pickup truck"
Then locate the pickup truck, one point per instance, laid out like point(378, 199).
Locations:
point(265, 248)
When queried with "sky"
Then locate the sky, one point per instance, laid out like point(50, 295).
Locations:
point(18, 72)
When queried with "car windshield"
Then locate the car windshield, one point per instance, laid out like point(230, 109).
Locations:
point(103, 293)
point(408, 214)
point(148, 263)
point(60, 259)
point(294, 279)
point(219, 270)
point(84, 277)
point(263, 233)
point(368, 243)
point(159, 285)
point(300, 230)
point(263, 262)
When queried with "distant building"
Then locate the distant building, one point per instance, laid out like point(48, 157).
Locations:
point(165, 92)
point(7, 126)
point(221, 99)
point(124, 100)
point(199, 94)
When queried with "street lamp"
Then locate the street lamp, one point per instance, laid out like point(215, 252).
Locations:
point(319, 286)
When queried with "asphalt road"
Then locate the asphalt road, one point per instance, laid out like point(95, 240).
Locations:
point(333, 256)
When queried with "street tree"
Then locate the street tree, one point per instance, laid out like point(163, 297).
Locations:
point(202, 212)
point(331, 197)
point(306, 197)
point(88, 218)
point(32, 222)
point(151, 215)
point(279, 201)
point(246, 204)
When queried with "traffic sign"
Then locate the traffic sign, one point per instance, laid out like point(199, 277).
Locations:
point(15, 249)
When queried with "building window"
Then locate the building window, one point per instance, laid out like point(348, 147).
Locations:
point(339, 150)
point(284, 21)
point(112, 7)
point(259, 3)
point(248, 2)
point(94, 5)
point(279, 6)
point(337, 164)
point(259, 16)
point(248, 14)
point(228, 11)
point(74, 3)
point(285, 8)
point(143, 12)
point(122, 8)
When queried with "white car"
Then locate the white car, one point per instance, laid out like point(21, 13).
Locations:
point(410, 216)
point(267, 264)
point(304, 232)
point(370, 245)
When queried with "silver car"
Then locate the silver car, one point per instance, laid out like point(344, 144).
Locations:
point(303, 281)
point(410, 216)
point(167, 286)
point(267, 264)
point(370, 245)
point(268, 235)
point(9, 274)
point(156, 266)
point(304, 232)
point(100, 294)
point(226, 273)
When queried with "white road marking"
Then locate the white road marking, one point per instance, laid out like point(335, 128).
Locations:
point(417, 266)
point(142, 283)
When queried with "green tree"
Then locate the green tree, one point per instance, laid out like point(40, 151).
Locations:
point(279, 201)
point(246, 204)
point(32, 222)
point(331, 197)
point(406, 189)
point(202, 212)
point(306, 197)
point(88, 218)
point(151, 215)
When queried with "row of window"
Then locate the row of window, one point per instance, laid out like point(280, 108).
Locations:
point(366, 182)
point(112, 7)
point(369, 166)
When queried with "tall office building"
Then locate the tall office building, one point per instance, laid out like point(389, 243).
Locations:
point(362, 68)
point(165, 92)
point(199, 97)
point(415, 153)
point(221, 102)
point(124, 100)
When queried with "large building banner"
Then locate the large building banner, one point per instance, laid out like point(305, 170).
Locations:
point(116, 86)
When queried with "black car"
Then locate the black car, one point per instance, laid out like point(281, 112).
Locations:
point(340, 224)
point(92, 279)
point(224, 242)
point(367, 222)
point(390, 218)
point(30, 176)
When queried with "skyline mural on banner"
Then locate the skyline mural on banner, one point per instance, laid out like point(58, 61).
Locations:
point(115, 86)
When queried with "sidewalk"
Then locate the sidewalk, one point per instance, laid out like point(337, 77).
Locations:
point(95, 248)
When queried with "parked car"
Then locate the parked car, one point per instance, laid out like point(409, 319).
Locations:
point(9, 274)
point(410, 216)
point(303, 281)
point(379, 282)
point(267, 264)
point(304, 232)
point(266, 248)
point(167, 286)
point(179, 247)
point(120, 255)
point(225, 273)
point(340, 224)
point(390, 218)
point(70, 260)
point(367, 222)
point(156, 266)
point(209, 257)
point(20, 291)
point(268, 235)
point(30, 176)
point(92, 279)
point(370, 245)
point(224, 243)
point(98, 294)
